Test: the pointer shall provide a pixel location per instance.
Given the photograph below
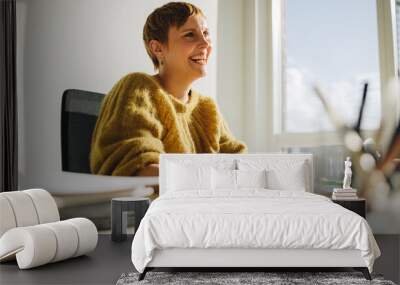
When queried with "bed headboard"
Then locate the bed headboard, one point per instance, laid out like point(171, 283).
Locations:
point(233, 159)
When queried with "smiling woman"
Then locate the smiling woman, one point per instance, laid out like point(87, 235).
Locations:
point(145, 115)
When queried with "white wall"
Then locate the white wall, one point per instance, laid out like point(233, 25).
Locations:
point(230, 63)
point(79, 44)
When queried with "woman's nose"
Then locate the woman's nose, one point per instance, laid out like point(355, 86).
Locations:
point(205, 41)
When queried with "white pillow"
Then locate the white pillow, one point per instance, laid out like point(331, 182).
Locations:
point(294, 179)
point(251, 178)
point(223, 179)
point(181, 177)
point(282, 174)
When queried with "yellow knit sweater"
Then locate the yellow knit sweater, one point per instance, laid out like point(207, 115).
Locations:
point(139, 120)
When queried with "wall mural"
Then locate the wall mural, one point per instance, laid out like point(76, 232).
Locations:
point(375, 157)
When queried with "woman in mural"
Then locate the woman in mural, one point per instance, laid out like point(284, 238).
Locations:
point(145, 115)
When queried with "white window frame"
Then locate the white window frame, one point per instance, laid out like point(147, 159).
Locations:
point(397, 34)
point(387, 63)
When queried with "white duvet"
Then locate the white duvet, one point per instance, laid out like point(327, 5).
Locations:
point(250, 218)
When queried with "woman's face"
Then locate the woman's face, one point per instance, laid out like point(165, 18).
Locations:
point(188, 48)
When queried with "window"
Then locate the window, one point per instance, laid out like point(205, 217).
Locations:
point(334, 43)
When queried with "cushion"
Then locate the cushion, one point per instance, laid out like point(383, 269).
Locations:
point(34, 244)
point(45, 206)
point(182, 177)
point(251, 178)
point(23, 208)
point(26, 208)
point(292, 179)
point(190, 161)
point(223, 179)
point(7, 220)
point(51, 242)
point(282, 174)
point(227, 179)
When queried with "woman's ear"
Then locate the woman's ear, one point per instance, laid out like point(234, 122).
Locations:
point(157, 49)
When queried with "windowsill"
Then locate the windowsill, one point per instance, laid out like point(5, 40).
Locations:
point(312, 139)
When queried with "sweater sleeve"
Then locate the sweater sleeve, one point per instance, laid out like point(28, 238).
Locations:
point(228, 143)
point(127, 135)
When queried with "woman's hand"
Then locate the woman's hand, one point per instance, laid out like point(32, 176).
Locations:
point(151, 170)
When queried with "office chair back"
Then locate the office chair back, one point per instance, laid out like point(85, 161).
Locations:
point(79, 112)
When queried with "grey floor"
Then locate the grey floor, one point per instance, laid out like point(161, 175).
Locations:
point(103, 266)
point(111, 259)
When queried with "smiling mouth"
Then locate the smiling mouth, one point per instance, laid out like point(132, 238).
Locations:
point(199, 60)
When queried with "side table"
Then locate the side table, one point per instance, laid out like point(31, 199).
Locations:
point(358, 206)
point(119, 214)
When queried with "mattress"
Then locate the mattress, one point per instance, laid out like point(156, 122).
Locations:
point(251, 219)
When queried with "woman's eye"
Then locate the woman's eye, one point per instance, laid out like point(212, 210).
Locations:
point(189, 35)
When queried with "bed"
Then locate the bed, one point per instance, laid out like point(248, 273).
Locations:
point(247, 210)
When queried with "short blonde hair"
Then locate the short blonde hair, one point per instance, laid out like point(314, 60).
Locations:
point(158, 23)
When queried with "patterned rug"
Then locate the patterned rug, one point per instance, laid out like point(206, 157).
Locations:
point(269, 278)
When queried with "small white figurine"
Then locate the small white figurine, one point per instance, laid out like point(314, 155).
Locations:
point(347, 174)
